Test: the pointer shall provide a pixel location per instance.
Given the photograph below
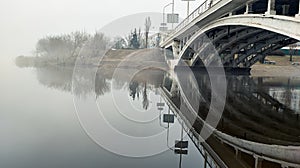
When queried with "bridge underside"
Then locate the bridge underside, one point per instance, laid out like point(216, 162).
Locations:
point(233, 46)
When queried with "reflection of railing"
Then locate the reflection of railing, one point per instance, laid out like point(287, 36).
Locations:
point(285, 155)
point(210, 156)
point(197, 12)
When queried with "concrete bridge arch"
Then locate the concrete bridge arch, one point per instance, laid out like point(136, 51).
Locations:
point(240, 40)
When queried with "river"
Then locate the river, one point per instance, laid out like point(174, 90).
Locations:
point(48, 120)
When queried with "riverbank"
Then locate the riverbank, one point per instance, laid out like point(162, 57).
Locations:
point(126, 58)
point(283, 67)
point(154, 58)
point(145, 58)
point(112, 56)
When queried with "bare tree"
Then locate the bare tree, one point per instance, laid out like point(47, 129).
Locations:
point(54, 47)
point(147, 28)
point(78, 39)
point(66, 48)
point(98, 44)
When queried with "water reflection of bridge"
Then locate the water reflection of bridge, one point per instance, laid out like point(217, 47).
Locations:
point(256, 130)
point(285, 90)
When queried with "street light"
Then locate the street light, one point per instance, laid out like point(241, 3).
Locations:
point(172, 18)
point(173, 8)
point(188, 6)
point(164, 23)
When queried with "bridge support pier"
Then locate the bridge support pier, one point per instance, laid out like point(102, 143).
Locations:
point(271, 8)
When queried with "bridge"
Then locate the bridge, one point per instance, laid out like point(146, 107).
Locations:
point(233, 33)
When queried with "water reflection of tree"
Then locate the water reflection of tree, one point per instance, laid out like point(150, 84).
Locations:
point(134, 89)
point(84, 82)
point(145, 97)
point(54, 77)
point(102, 86)
point(142, 82)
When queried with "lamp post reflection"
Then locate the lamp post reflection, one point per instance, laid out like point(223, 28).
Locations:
point(180, 147)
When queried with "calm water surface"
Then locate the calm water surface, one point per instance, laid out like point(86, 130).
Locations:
point(40, 126)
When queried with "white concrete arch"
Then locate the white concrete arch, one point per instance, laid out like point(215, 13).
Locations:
point(272, 23)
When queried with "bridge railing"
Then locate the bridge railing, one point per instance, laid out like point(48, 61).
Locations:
point(207, 4)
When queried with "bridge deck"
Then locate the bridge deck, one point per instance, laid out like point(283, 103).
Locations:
point(201, 17)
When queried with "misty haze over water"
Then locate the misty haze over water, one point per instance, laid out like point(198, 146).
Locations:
point(42, 118)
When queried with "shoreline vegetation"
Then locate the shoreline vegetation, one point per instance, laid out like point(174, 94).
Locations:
point(97, 50)
point(110, 56)
point(86, 49)
point(122, 58)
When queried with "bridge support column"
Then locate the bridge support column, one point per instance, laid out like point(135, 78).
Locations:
point(248, 7)
point(174, 90)
point(258, 162)
point(271, 8)
point(298, 15)
point(238, 154)
point(176, 49)
point(181, 45)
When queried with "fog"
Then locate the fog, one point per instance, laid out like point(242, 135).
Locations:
point(24, 22)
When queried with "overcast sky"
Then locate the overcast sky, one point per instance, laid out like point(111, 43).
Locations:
point(23, 22)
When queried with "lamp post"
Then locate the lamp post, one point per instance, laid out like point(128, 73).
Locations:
point(173, 8)
point(164, 11)
point(172, 18)
point(188, 7)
